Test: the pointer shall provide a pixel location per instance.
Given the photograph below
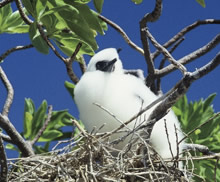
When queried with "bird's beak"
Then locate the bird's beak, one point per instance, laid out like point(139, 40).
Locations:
point(109, 67)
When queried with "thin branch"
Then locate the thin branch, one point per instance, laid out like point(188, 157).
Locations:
point(215, 170)
point(23, 15)
point(41, 131)
point(10, 92)
point(150, 17)
point(197, 147)
point(17, 48)
point(5, 2)
point(196, 54)
point(6, 138)
point(158, 86)
point(184, 31)
point(23, 146)
point(82, 64)
point(166, 53)
point(123, 33)
point(3, 163)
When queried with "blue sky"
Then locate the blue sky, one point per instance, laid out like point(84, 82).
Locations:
point(37, 76)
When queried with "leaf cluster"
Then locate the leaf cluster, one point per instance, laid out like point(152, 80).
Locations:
point(193, 114)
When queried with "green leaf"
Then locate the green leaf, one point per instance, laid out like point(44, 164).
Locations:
point(98, 5)
point(201, 2)
point(29, 106)
point(30, 7)
point(11, 147)
point(39, 118)
point(40, 8)
point(137, 1)
point(70, 88)
point(50, 135)
point(37, 39)
point(27, 125)
point(208, 101)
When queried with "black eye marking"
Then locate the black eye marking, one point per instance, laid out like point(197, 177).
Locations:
point(106, 66)
point(101, 65)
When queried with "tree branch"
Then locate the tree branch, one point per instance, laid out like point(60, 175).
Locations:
point(5, 2)
point(6, 138)
point(23, 146)
point(10, 92)
point(151, 17)
point(187, 59)
point(3, 162)
point(184, 31)
point(17, 48)
point(123, 33)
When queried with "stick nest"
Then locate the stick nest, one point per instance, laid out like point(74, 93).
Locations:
point(89, 157)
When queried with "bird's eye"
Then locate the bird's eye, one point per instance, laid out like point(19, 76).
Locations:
point(100, 65)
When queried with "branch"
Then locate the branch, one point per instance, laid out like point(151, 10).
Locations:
point(166, 53)
point(3, 162)
point(5, 2)
point(23, 15)
point(10, 92)
point(6, 138)
point(196, 54)
point(17, 48)
point(23, 146)
point(122, 32)
point(151, 17)
point(184, 31)
point(50, 109)
point(200, 148)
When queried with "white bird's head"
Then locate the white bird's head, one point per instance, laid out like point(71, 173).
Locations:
point(106, 60)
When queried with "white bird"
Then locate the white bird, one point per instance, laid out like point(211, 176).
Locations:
point(106, 83)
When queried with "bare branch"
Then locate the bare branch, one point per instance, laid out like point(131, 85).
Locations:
point(166, 53)
point(197, 147)
point(10, 92)
point(23, 15)
point(50, 109)
point(17, 48)
point(82, 64)
point(150, 17)
point(196, 54)
point(3, 162)
point(123, 33)
point(6, 138)
point(5, 2)
point(158, 86)
point(71, 59)
point(184, 31)
point(23, 146)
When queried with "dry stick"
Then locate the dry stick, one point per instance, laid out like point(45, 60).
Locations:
point(5, 122)
point(164, 59)
point(184, 31)
point(166, 53)
point(6, 138)
point(200, 126)
point(190, 57)
point(17, 48)
point(215, 170)
point(40, 132)
point(10, 92)
point(3, 162)
point(123, 33)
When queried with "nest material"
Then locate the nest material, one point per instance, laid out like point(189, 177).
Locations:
point(89, 158)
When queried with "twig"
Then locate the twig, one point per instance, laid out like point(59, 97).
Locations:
point(82, 64)
point(122, 32)
point(184, 31)
point(23, 15)
point(170, 147)
point(5, 2)
point(150, 17)
point(3, 162)
point(200, 126)
point(40, 132)
point(201, 148)
point(158, 86)
point(215, 170)
point(6, 138)
point(166, 53)
point(188, 58)
point(10, 92)
point(17, 48)
point(69, 62)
